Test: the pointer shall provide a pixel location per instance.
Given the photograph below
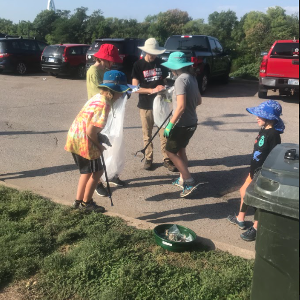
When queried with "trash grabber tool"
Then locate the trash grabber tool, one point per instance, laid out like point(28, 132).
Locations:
point(107, 181)
point(104, 139)
point(143, 151)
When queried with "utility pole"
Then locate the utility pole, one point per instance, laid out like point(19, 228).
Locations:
point(51, 5)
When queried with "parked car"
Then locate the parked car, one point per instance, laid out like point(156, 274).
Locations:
point(206, 52)
point(18, 54)
point(128, 50)
point(279, 69)
point(65, 59)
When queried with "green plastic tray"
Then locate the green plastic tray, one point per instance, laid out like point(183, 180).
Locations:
point(170, 245)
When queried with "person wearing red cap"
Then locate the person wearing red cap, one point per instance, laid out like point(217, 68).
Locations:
point(104, 59)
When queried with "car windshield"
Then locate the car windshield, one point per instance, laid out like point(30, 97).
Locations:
point(54, 50)
point(286, 50)
point(191, 43)
point(2, 47)
point(120, 45)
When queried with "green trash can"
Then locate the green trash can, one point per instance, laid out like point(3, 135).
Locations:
point(275, 192)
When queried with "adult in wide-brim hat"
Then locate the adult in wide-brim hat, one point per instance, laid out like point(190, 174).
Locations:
point(152, 47)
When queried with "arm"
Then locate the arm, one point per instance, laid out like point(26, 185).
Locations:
point(199, 99)
point(181, 105)
point(92, 132)
point(136, 82)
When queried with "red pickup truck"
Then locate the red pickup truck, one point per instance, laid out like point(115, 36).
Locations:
point(279, 69)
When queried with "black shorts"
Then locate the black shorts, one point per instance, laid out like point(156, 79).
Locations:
point(87, 166)
point(180, 138)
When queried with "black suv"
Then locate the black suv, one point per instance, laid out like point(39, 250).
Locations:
point(65, 59)
point(20, 54)
point(206, 52)
point(128, 50)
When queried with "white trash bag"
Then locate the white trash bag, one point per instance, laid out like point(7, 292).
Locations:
point(114, 156)
point(161, 107)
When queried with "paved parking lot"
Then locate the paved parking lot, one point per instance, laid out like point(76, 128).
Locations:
point(36, 112)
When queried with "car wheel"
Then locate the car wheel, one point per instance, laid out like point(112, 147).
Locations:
point(262, 94)
point(203, 82)
point(21, 68)
point(81, 72)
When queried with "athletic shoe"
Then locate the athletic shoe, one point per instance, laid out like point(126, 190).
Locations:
point(235, 221)
point(178, 183)
point(170, 166)
point(188, 188)
point(76, 204)
point(249, 235)
point(91, 206)
point(116, 181)
point(148, 165)
point(101, 190)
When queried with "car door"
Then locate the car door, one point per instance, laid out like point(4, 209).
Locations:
point(29, 50)
point(215, 68)
point(223, 58)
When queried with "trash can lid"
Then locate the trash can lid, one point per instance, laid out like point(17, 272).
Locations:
point(276, 187)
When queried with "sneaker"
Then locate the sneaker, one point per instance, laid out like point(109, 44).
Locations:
point(101, 190)
point(178, 183)
point(91, 206)
point(235, 221)
point(249, 235)
point(170, 166)
point(76, 204)
point(148, 165)
point(188, 189)
point(116, 181)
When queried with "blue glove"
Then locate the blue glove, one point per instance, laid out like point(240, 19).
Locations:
point(168, 130)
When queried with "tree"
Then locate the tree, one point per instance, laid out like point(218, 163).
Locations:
point(43, 23)
point(7, 27)
point(222, 25)
point(168, 23)
point(195, 27)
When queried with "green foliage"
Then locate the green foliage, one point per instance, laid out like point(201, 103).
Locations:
point(93, 256)
point(249, 71)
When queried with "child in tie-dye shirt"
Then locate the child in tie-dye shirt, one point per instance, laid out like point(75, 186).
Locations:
point(82, 139)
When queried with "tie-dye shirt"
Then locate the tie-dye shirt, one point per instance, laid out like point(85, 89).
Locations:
point(95, 112)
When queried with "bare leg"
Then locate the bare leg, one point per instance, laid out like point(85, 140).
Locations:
point(180, 163)
point(91, 186)
point(255, 224)
point(84, 178)
point(242, 215)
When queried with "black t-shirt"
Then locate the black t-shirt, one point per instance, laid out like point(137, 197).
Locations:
point(150, 75)
point(266, 140)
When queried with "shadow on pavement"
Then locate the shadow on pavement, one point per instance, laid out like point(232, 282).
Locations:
point(30, 132)
point(38, 172)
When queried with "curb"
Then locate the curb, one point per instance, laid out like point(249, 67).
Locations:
point(144, 225)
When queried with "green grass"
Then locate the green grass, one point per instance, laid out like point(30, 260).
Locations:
point(76, 256)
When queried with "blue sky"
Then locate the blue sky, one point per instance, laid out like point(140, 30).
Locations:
point(28, 9)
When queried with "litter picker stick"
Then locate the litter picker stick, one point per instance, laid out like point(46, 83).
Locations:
point(104, 139)
point(143, 151)
point(107, 181)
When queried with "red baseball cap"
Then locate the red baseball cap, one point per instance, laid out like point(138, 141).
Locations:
point(109, 52)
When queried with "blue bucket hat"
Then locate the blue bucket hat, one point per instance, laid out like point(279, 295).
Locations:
point(177, 61)
point(269, 110)
point(115, 81)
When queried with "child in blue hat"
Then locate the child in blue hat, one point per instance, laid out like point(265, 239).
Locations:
point(183, 123)
point(268, 118)
point(82, 139)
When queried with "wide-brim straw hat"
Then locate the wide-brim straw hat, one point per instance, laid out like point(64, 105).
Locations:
point(152, 47)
